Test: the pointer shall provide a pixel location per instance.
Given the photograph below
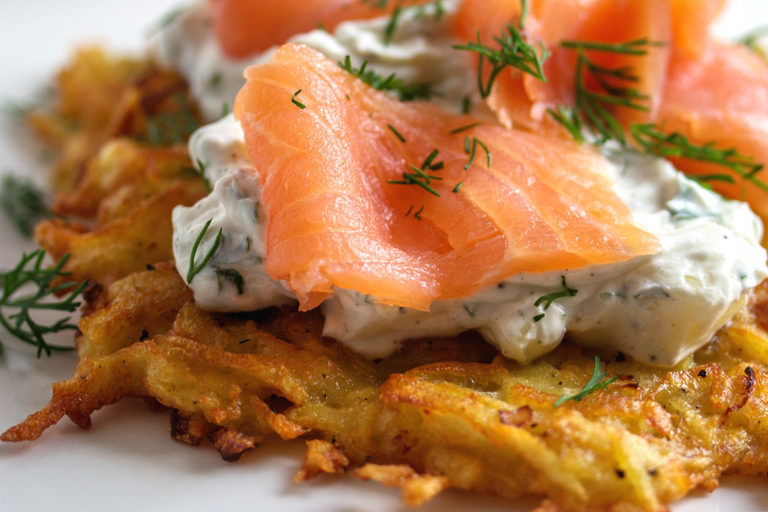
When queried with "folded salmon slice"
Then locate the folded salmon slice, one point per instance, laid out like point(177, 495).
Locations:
point(246, 27)
point(523, 100)
point(721, 95)
point(334, 218)
point(710, 92)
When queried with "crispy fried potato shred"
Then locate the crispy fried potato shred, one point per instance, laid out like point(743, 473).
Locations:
point(440, 413)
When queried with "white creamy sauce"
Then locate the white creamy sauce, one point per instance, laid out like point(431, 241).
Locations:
point(420, 51)
point(656, 309)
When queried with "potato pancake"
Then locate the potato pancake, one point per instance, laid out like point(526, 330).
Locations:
point(440, 413)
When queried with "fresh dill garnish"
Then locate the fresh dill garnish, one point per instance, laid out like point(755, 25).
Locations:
point(464, 128)
point(397, 133)
point(216, 79)
point(470, 147)
point(549, 298)
point(418, 178)
point(406, 91)
point(568, 117)
point(389, 31)
point(194, 268)
point(417, 215)
point(165, 20)
point(15, 109)
point(703, 179)
point(523, 13)
point(457, 187)
point(377, 4)
point(409, 211)
point(23, 203)
point(658, 291)
point(231, 275)
point(466, 105)
point(224, 109)
point(167, 128)
point(636, 47)
point(429, 162)
point(30, 272)
point(513, 52)
point(592, 108)
point(297, 102)
point(751, 41)
point(652, 140)
point(199, 170)
point(439, 9)
point(595, 383)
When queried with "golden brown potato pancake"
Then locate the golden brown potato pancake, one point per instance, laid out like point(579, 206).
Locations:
point(440, 413)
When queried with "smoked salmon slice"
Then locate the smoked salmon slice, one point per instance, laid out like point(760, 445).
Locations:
point(331, 153)
point(721, 95)
point(246, 27)
point(522, 100)
point(709, 92)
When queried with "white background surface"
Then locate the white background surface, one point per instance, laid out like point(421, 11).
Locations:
point(127, 460)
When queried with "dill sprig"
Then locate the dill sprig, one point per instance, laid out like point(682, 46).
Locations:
point(389, 31)
point(637, 47)
point(296, 101)
point(165, 20)
point(196, 268)
point(233, 276)
point(465, 128)
point(595, 383)
point(437, 6)
point(396, 133)
point(466, 104)
point(168, 128)
point(419, 178)
point(406, 91)
point(513, 52)
point(470, 148)
point(199, 170)
point(376, 4)
point(704, 179)
point(569, 118)
point(394, 19)
point(652, 140)
point(592, 108)
point(30, 272)
point(23, 203)
point(751, 41)
point(523, 13)
point(549, 298)
point(429, 162)
point(16, 110)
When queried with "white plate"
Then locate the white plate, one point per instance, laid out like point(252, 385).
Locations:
point(127, 461)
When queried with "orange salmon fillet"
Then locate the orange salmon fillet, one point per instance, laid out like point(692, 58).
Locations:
point(334, 219)
point(722, 95)
point(245, 27)
point(523, 100)
point(706, 90)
